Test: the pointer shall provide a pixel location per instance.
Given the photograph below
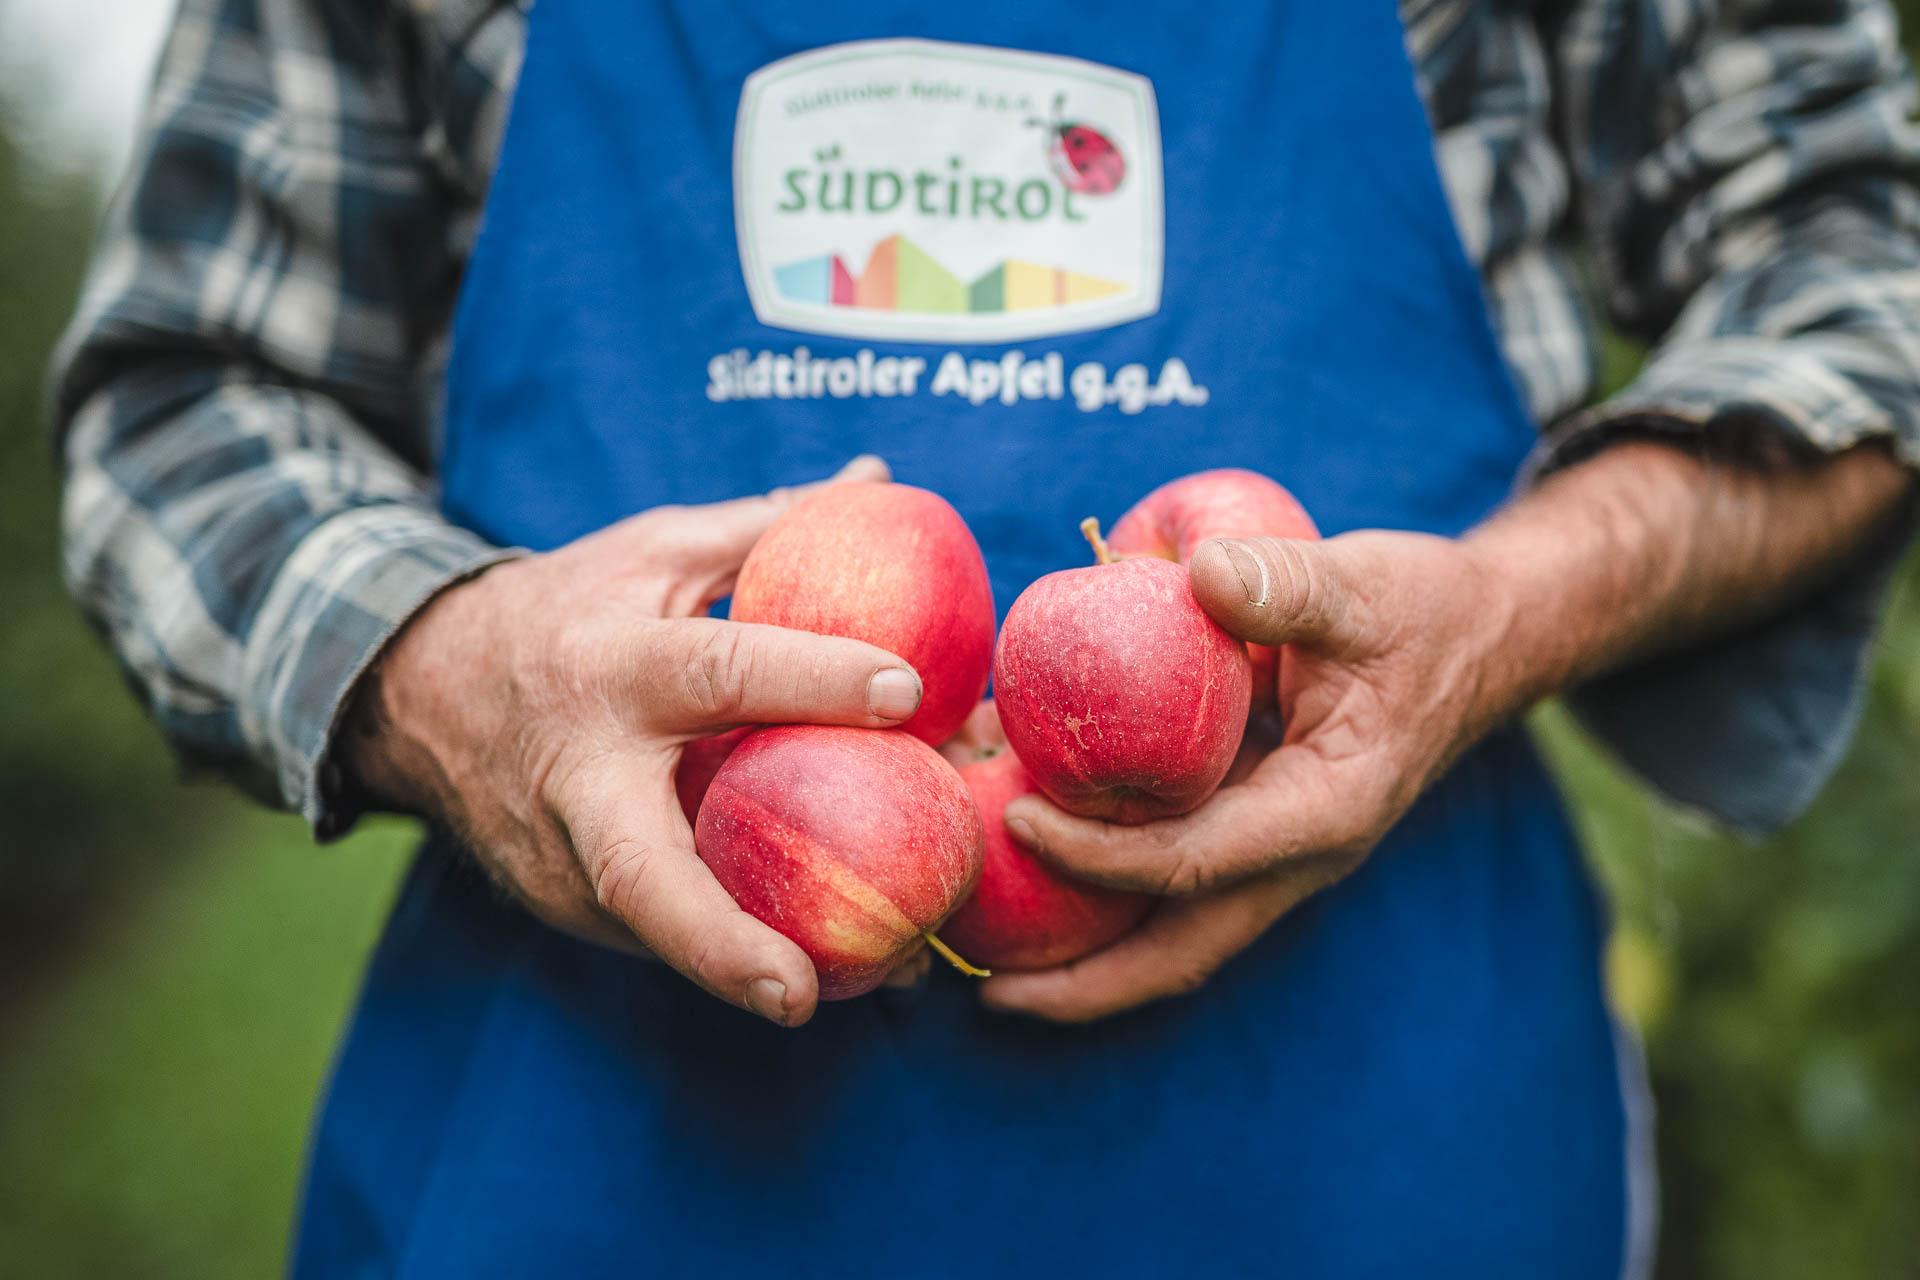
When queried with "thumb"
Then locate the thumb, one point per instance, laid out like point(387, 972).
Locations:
point(701, 674)
point(1274, 591)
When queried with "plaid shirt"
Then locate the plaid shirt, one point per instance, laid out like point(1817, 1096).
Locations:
point(249, 394)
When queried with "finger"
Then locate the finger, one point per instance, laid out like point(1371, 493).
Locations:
point(715, 538)
point(1275, 591)
point(701, 548)
point(1179, 947)
point(702, 673)
point(639, 857)
point(1288, 807)
point(868, 466)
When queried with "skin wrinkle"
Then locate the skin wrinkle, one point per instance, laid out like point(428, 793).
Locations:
point(1265, 592)
point(623, 869)
point(709, 671)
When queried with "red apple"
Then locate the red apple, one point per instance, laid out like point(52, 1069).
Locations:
point(1173, 520)
point(855, 843)
point(1024, 914)
point(889, 564)
point(700, 760)
point(1123, 698)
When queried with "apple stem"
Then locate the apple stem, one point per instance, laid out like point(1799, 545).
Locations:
point(952, 957)
point(1091, 528)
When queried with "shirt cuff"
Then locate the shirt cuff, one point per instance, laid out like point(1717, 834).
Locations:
point(1745, 729)
point(1767, 397)
point(344, 592)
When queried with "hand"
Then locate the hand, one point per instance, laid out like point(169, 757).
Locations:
point(1404, 649)
point(1393, 669)
point(539, 710)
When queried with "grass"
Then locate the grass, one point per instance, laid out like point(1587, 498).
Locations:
point(155, 1120)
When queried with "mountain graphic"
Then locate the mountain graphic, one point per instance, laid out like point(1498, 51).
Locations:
point(901, 276)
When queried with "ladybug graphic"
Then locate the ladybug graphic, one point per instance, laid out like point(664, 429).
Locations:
point(1084, 159)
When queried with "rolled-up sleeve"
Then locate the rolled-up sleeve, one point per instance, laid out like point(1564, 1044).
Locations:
point(1749, 181)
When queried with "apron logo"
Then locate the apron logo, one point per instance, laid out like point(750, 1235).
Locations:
point(892, 189)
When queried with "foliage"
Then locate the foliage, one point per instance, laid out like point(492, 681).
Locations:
point(70, 738)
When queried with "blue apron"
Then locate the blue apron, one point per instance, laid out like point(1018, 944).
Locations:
point(1221, 241)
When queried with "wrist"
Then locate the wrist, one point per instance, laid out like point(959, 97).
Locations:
point(404, 713)
point(1524, 631)
point(1595, 564)
point(1509, 668)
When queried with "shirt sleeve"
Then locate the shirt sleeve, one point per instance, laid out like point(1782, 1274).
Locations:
point(1747, 178)
point(243, 399)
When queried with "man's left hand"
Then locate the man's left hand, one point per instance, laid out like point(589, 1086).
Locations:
point(1403, 649)
point(1393, 669)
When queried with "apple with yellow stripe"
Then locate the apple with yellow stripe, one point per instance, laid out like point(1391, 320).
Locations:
point(855, 843)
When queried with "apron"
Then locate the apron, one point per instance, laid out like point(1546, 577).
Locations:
point(1042, 256)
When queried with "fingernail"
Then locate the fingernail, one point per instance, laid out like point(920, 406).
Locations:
point(1024, 832)
point(768, 998)
point(894, 693)
point(1251, 571)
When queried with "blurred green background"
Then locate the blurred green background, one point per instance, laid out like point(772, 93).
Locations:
point(174, 964)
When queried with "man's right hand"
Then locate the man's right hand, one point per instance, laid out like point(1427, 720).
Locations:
point(539, 711)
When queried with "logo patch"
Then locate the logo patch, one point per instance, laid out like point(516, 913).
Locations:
point(918, 190)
